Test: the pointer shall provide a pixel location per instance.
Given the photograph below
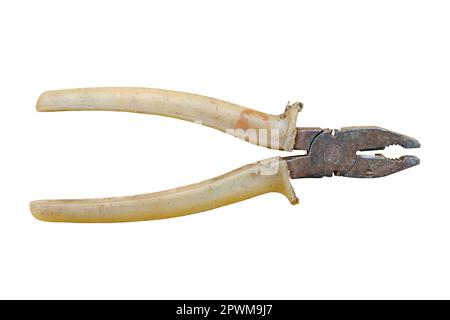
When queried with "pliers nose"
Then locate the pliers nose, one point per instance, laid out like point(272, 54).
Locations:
point(334, 152)
point(375, 166)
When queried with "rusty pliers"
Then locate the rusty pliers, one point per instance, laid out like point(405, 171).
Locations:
point(329, 153)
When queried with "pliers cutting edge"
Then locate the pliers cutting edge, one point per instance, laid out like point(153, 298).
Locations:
point(329, 153)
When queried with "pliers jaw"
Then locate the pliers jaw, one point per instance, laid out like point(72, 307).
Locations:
point(334, 152)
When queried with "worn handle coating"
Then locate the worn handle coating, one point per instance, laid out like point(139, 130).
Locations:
point(272, 131)
point(270, 175)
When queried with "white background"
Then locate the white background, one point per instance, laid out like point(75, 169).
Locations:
point(380, 63)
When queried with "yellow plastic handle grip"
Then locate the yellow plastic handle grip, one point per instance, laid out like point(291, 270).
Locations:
point(272, 131)
point(270, 175)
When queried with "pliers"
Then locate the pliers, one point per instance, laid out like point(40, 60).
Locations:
point(329, 153)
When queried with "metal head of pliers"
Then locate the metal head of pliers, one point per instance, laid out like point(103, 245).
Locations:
point(335, 153)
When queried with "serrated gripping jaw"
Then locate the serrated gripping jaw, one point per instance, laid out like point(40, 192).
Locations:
point(335, 152)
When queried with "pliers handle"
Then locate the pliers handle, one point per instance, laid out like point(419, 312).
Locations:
point(272, 131)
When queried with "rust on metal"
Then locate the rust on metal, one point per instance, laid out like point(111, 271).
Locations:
point(334, 152)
